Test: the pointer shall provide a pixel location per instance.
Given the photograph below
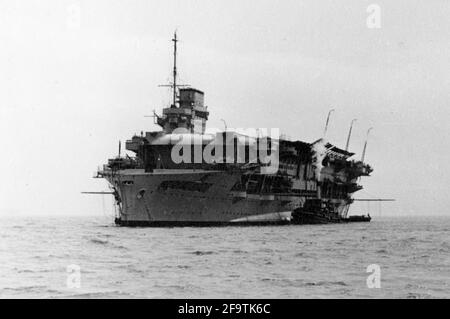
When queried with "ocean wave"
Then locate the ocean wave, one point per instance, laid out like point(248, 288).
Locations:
point(105, 242)
point(98, 241)
point(239, 251)
point(183, 267)
point(416, 295)
point(202, 253)
point(96, 295)
point(23, 288)
point(326, 283)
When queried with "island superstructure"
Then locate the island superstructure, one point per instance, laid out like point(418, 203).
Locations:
point(312, 182)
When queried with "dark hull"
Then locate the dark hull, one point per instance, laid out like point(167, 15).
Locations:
point(306, 218)
point(357, 219)
point(144, 223)
point(309, 220)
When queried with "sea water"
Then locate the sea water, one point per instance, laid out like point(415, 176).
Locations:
point(89, 257)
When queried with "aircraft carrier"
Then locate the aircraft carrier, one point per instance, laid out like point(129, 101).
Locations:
point(180, 175)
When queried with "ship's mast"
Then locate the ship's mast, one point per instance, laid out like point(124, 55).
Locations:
point(365, 145)
point(349, 134)
point(328, 121)
point(175, 40)
point(174, 86)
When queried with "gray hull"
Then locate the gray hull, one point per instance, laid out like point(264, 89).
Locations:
point(194, 197)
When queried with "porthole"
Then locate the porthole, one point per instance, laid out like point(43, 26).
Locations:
point(141, 193)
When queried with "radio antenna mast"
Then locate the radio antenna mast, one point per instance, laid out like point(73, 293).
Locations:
point(365, 145)
point(328, 121)
point(349, 134)
point(174, 84)
point(175, 40)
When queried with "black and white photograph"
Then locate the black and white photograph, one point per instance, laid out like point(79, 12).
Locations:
point(225, 150)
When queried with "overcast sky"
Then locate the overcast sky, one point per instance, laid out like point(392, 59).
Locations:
point(78, 76)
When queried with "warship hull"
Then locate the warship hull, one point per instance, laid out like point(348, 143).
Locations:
point(200, 198)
